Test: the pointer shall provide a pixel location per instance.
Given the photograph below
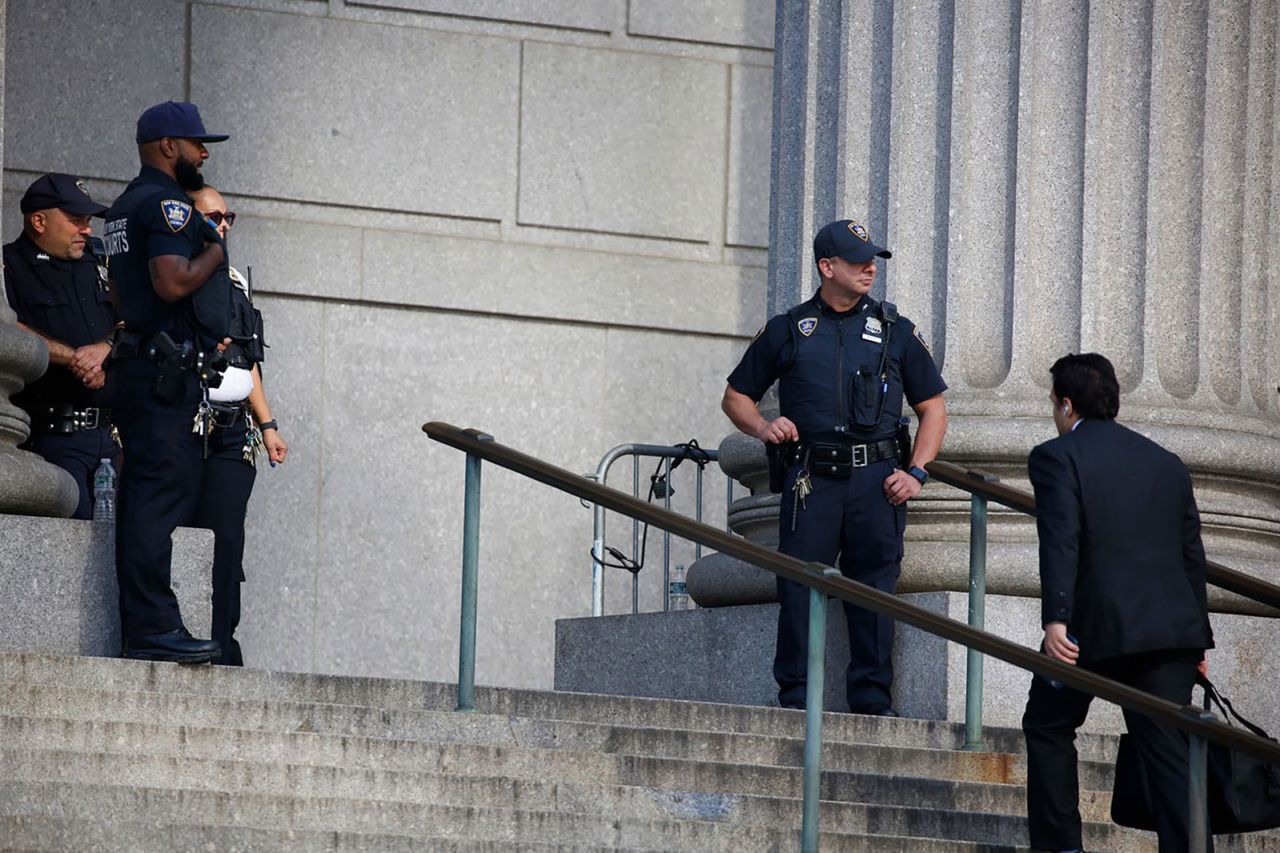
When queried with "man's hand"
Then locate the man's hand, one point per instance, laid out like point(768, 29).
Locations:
point(900, 487)
point(86, 363)
point(1056, 644)
point(777, 431)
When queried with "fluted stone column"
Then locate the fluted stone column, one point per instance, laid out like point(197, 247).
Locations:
point(1051, 178)
point(28, 484)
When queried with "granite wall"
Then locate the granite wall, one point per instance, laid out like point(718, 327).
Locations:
point(543, 219)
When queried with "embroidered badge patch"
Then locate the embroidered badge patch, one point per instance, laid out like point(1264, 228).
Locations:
point(923, 342)
point(859, 231)
point(873, 325)
point(176, 213)
point(807, 325)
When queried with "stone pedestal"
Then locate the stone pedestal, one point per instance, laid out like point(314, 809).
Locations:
point(28, 484)
point(58, 592)
point(725, 654)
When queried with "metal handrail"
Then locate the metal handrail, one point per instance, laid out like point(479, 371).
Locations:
point(661, 451)
point(824, 581)
point(978, 482)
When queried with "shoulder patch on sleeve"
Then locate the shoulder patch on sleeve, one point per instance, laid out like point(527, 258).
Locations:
point(176, 213)
point(757, 335)
point(923, 342)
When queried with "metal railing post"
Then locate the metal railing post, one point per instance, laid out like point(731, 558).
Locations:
point(470, 583)
point(977, 618)
point(815, 690)
point(1198, 774)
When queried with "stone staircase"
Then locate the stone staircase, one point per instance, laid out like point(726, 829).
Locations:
point(100, 754)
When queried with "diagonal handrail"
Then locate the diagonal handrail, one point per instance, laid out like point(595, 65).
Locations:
point(823, 581)
point(812, 575)
point(978, 482)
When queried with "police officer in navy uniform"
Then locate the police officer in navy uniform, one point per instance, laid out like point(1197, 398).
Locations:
point(169, 269)
point(54, 284)
point(844, 364)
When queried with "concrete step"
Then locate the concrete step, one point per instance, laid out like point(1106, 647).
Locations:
point(309, 783)
point(67, 835)
point(184, 808)
point(397, 694)
point(390, 758)
point(21, 700)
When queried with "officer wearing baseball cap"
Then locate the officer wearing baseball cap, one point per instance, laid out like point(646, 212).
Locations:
point(171, 277)
point(845, 364)
point(55, 285)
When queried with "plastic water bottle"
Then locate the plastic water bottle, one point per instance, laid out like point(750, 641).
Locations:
point(678, 596)
point(104, 492)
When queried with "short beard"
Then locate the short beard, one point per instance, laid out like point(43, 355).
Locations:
point(187, 175)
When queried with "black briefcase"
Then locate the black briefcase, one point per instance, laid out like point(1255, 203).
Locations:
point(1244, 792)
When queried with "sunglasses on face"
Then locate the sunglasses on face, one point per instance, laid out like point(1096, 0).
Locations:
point(216, 217)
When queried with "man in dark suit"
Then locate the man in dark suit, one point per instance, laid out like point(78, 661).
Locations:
point(1122, 586)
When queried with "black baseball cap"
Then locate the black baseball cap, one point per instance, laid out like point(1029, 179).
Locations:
point(65, 192)
point(175, 119)
point(846, 239)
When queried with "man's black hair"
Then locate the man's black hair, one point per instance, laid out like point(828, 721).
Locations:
point(1089, 381)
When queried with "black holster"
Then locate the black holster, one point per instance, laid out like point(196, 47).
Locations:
point(781, 457)
point(903, 437)
point(172, 360)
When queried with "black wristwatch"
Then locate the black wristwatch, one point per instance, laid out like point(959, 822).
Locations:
point(919, 473)
point(271, 424)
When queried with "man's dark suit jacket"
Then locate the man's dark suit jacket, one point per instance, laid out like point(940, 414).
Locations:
point(1121, 560)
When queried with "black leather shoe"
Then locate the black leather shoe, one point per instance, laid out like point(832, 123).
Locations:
point(176, 646)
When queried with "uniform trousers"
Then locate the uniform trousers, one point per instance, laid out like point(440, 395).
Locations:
point(159, 487)
point(1050, 722)
point(79, 454)
point(850, 518)
point(224, 501)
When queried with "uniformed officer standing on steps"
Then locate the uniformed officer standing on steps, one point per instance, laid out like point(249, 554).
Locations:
point(169, 269)
point(844, 364)
point(56, 287)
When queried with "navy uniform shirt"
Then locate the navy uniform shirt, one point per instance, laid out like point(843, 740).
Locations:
point(155, 217)
point(63, 300)
point(829, 368)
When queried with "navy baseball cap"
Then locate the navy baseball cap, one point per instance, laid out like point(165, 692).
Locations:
point(846, 239)
point(177, 120)
point(65, 192)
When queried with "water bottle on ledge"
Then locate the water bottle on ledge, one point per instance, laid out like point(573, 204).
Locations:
point(679, 594)
point(104, 492)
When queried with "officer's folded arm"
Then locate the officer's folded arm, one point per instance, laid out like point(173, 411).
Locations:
point(174, 277)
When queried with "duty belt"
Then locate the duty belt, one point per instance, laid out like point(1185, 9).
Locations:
point(227, 415)
point(837, 459)
point(67, 419)
point(130, 344)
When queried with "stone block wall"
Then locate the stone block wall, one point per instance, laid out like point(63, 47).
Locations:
point(546, 220)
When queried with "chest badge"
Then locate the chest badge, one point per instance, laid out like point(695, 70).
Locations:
point(807, 325)
point(873, 326)
point(176, 213)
